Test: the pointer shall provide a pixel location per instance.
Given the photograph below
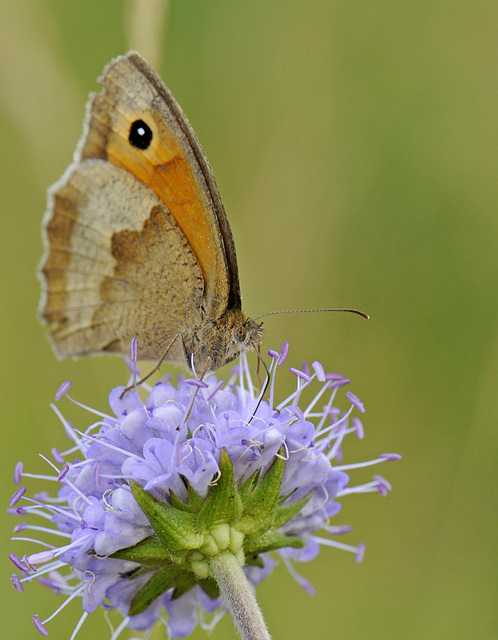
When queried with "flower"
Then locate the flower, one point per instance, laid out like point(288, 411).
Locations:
point(152, 498)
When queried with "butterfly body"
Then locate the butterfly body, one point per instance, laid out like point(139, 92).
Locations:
point(138, 241)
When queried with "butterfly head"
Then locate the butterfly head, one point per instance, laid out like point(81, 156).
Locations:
point(220, 342)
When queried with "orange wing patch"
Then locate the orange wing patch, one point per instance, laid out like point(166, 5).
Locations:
point(168, 166)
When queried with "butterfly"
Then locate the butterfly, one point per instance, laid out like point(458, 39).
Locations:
point(137, 240)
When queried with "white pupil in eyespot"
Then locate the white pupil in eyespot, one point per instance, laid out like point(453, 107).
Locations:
point(141, 131)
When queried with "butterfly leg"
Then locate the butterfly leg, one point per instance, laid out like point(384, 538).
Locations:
point(264, 386)
point(157, 367)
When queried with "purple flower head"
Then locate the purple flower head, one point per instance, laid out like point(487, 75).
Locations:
point(152, 493)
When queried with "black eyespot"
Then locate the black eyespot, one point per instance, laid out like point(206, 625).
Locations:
point(140, 134)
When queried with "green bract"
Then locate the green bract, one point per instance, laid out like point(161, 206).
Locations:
point(242, 520)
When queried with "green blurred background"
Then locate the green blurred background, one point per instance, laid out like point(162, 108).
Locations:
point(356, 148)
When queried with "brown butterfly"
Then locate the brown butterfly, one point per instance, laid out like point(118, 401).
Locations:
point(138, 241)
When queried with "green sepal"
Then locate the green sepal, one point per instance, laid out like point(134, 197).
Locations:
point(247, 487)
point(176, 503)
point(210, 588)
point(161, 581)
point(188, 580)
point(136, 573)
point(194, 500)
point(261, 504)
point(193, 505)
point(150, 551)
point(254, 560)
point(176, 529)
point(270, 541)
point(284, 514)
point(184, 583)
point(170, 577)
point(248, 518)
point(223, 504)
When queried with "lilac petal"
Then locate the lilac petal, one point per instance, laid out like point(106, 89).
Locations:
point(122, 525)
point(198, 465)
point(258, 574)
point(123, 592)
point(309, 552)
point(147, 619)
point(302, 470)
point(182, 614)
point(336, 483)
point(127, 403)
point(300, 434)
point(161, 394)
point(96, 590)
point(210, 605)
point(134, 423)
point(170, 415)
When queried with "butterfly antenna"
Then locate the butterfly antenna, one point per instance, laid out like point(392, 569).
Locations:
point(273, 313)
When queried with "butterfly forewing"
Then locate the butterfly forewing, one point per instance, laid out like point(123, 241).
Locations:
point(138, 242)
point(173, 165)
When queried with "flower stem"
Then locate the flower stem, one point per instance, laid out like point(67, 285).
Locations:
point(238, 596)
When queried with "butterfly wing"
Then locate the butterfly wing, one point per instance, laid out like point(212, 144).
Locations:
point(173, 165)
point(111, 274)
point(138, 242)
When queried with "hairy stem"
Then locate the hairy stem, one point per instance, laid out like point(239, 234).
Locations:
point(238, 596)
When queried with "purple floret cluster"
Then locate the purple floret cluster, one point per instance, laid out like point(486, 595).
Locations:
point(170, 442)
